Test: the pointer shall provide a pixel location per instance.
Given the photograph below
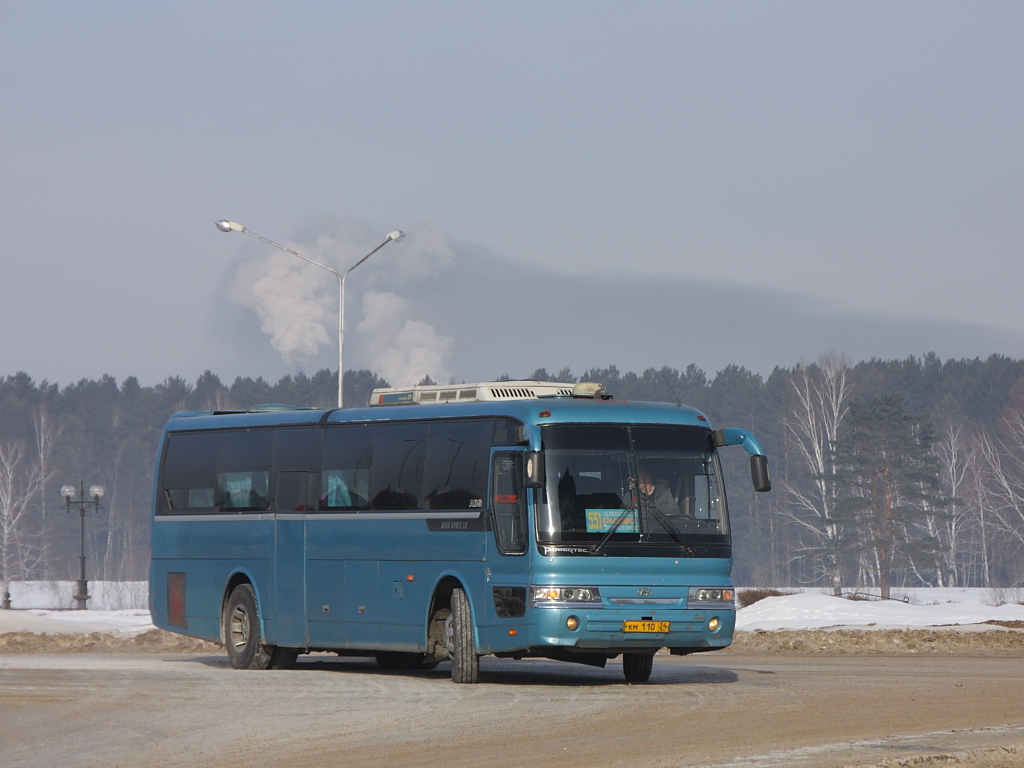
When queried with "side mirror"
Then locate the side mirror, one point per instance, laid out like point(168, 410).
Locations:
point(759, 474)
point(534, 470)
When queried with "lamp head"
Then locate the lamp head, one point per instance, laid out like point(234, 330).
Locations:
point(96, 491)
point(227, 226)
point(68, 492)
point(396, 235)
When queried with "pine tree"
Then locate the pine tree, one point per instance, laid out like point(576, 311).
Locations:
point(889, 482)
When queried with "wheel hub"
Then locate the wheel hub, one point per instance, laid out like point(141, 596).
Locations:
point(239, 628)
point(449, 635)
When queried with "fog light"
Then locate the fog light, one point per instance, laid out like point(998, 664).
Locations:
point(714, 624)
point(572, 623)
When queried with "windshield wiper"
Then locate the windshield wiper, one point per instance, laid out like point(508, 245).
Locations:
point(674, 532)
point(614, 527)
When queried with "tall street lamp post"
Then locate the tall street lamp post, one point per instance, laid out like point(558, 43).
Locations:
point(232, 226)
point(96, 493)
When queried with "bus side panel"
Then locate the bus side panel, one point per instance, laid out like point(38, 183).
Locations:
point(404, 596)
point(215, 550)
point(203, 582)
point(362, 612)
point(286, 626)
point(187, 612)
point(325, 603)
point(379, 605)
point(243, 538)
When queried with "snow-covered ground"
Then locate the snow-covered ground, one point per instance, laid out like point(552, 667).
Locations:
point(925, 608)
point(129, 622)
point(809, 609)
point(42, 606)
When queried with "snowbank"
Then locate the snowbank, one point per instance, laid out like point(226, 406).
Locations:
point(104, 595)
point(816, 611)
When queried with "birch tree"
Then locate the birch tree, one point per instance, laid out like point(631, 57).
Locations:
point(47, 430)
point(1001, 495)
point(821, 401)
point(18, 481)
point(953, 451)
point(980, 502)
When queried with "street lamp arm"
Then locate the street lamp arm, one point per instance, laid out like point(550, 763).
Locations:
point(233, 226)
point(369, 255)
point(293, 253)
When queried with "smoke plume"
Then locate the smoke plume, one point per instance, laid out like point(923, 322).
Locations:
point(402, 350)
point(297, 302)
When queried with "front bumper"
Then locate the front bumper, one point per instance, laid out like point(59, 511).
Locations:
point(602, 629)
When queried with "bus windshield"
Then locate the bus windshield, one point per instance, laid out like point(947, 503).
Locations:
point(637, 484)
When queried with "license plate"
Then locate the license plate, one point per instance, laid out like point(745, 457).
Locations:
point(645, 626)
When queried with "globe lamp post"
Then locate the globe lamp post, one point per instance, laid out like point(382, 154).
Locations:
point(82, 504)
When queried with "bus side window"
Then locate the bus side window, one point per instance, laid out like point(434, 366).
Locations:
point(345, 469)
point(345, 488)
point(509, 503)
point(243, 471)
point(246, 491)
point(297, 448)
point(399, 461)
point(456, 466)
point(293, 492)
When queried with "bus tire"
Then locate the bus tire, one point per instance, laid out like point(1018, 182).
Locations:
point(465, 662)
point(637, 666)
point(246, 649)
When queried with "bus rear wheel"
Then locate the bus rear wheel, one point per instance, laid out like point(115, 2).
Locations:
point(465, 662)
point(245, 647)
point(637, 666)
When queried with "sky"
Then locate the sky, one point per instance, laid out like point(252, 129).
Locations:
point(581, 184)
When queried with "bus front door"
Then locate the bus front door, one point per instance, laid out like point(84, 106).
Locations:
point(508, 568)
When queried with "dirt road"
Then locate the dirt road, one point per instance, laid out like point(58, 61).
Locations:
point(712, 710)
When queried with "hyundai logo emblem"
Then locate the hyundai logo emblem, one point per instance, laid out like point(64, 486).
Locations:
point(644, 592)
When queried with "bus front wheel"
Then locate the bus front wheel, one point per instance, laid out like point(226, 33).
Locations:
point(465, 662)
point(637, 666)
point(246, 649)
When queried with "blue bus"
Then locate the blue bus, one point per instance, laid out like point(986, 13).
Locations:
point(442, 524)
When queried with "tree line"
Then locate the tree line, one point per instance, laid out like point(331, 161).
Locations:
point(887, 473)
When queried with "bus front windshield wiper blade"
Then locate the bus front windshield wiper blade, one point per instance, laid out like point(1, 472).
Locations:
point(674, 532)
point(614, 527)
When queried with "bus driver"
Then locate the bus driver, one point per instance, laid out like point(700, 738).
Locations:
point(657, 496)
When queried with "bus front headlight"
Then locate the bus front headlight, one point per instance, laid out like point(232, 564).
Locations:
point(568, 596)
point(711, 595)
